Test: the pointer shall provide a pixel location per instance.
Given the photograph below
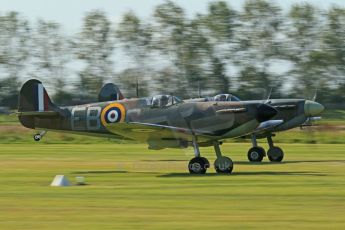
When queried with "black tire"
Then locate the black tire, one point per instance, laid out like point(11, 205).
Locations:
point(275, 154)
point(198, 165)
point(206, 162)
point(256, 154)
point(37, 137)
point(223, 165)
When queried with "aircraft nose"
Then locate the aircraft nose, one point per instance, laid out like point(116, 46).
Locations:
point(265, 112)
point(312, 108)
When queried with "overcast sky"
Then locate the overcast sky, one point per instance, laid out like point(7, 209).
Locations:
point(69, 13)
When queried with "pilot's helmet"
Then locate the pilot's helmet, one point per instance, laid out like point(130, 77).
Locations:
point(220, 97)
point(155, 102)
point(164, 100)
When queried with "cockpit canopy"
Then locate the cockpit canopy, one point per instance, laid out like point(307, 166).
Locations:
point(164, 101)
point(225, 97)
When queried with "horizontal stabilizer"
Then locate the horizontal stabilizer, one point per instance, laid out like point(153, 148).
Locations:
point(37, 113)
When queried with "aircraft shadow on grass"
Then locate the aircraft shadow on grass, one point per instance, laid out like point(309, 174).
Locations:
point(101, 172)
point(112, 172)
point(263, 173)
point(260, 173)
point(289, 162)
point(266, 173)
point(162, 160)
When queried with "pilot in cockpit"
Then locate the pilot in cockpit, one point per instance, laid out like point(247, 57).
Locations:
point(164, 100)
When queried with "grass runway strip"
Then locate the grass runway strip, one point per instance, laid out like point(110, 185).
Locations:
point(130, 187)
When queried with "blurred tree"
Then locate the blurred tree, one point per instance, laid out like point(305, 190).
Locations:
point(168, 38)
point(219, 25)
point(14, 53)
point(220, 21)
point(166, 77)
point(50, 55)
point(252, 83)
point(129, 84)
point(182, 42)
point(134, 38)
point(334, 54)
point(304, 50)
point(259, 48)
point(95, 49)
point(221, 80)
point(177, 54)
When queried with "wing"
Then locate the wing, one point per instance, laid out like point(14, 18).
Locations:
point(148, 132)
point(264, 127)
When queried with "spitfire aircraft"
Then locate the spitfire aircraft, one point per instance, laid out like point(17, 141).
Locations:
point(162, 121)
point(291, 112)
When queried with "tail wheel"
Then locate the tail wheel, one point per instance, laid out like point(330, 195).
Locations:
point(223, 165)
point(198, 165)
point(275, 154)
point(37, 137)
point(256, 154)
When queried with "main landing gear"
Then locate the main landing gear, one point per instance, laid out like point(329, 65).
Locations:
point(199, 165)
point(275, 154)
point(38, 136)
point(257, 153)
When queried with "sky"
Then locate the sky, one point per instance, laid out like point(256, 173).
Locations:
point(69, 13)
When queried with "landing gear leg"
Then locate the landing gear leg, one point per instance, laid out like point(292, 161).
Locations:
point(222, 164)
point(275, 154)
point(256, 153)
point(38, 136)
point(198, 165)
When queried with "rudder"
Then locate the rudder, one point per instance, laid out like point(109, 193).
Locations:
point(33, 98)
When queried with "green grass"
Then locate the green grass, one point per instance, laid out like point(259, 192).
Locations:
point(8, 120)
point(333, 117)
point(133, 188)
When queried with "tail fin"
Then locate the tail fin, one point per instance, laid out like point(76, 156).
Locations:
point(34, 102)
point(34, 97)
point(110, 92)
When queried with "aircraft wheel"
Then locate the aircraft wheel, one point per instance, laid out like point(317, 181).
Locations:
point(275, 154)
point(223, 165)
point(256, 154)
point(37, 137)
point(198, 165)
point(207, 163)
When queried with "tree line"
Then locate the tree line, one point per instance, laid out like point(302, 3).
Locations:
point(246, 52)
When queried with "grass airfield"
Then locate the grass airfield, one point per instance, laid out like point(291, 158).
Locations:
point(130, 187)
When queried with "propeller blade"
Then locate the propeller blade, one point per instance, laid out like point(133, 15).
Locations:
point(269, 96)
point(315, 95)
point(137, 88)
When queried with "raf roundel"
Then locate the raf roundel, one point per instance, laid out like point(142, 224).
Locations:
point(113, 113)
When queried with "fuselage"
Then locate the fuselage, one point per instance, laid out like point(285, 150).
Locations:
point(218, 120)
